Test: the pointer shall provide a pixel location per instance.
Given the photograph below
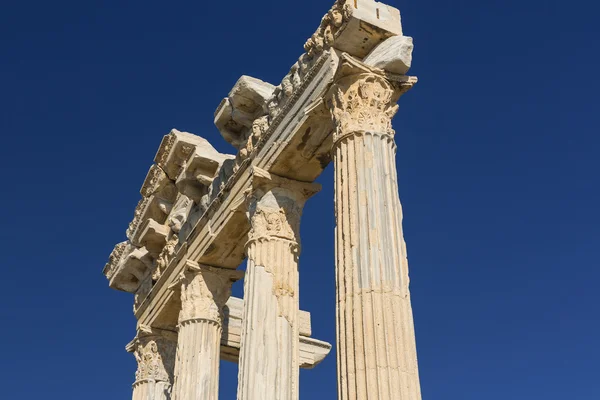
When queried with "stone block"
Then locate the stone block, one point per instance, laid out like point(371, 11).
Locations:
point(369, 23)
point(236, 113)
point(393, 55)
point(134, 266)
point(175, 149)
point(200, 170)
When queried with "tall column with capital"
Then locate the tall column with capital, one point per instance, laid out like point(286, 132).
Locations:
point(204, 292)
point(269, 354)
point(377, 356)
point(154, 351)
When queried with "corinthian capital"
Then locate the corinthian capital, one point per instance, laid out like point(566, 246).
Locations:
point(154, 351)
point(275, 206)
point(204, 291)
point(363, 98)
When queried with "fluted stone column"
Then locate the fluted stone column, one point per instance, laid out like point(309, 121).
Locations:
point(269, 354)
point(204, 292)
point(377, 356)
point(154, 351)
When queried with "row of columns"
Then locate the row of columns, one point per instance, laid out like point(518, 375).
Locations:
point(376, 349)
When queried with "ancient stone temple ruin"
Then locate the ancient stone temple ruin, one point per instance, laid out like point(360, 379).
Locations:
point(203, 213)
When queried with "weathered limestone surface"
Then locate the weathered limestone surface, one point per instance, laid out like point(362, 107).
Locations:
point(204, 291)
point(394, 55)
point(200, 207)
point(176, 185)
point(376, 344)
point(270, 354)
point(312, 351)
point(154, 351)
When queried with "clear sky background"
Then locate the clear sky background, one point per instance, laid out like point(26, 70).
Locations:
point(498, 167)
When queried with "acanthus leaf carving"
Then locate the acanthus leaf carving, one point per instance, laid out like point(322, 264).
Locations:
point(204, 291)
point(363, 103)
point(155, 357)
point(275, 223)
point(275, 206)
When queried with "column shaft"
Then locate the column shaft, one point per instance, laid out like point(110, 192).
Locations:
point(269, 353)
point(151, 390)
point(376, 343)
point(197, 362)
point(204, 292)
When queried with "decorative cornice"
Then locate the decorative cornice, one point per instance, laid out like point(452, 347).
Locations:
point(155, 178)
point(114, 259)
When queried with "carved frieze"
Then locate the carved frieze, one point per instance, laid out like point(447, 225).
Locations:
point(331, 24)
point(180, 212)
point(165, 257)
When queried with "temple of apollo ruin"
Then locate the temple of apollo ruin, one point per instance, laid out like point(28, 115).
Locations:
point(203, 213)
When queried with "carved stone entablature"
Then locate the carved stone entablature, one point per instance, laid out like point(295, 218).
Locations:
point(154, 351)
point(153, 207)
point(200, 170)
point(236, 114)
point(165, 257)
point(225, 172)
point(180, 213)
point(174, 151)
point(352, 26)
point(134, 266)
point(363, 99)
point(157, 183)
point(355, 27)
point(142, 292)
point(204, 291)
point(153, 236)
point(187, 216)
point(275, 206)
point(114, 259)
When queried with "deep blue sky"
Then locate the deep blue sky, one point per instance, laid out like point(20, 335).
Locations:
point(497, 157)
